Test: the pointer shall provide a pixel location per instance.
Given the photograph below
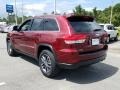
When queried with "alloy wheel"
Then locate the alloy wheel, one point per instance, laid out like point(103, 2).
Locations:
point(46, 63)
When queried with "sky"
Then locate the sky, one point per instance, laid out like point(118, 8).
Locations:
point(38, 7)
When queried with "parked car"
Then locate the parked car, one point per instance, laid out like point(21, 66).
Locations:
point(59, 42)
point(7, 28)
point(112, 32)
point(2, 25)
point(11, 27)
point(4, 29)
point(1, 29)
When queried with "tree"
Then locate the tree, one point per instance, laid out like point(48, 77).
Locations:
point(52, 12)
point(95, 13)
point(11, 19)
point(104, 16)
point(101, 16)
point(78, 10)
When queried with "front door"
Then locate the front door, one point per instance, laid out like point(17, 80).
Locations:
point(20, 39)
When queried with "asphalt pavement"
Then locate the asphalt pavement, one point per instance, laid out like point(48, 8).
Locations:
point(22, 73)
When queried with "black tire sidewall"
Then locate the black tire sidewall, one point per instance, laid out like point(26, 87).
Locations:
point(116, 38)
point(12, 53)
point(108, 40)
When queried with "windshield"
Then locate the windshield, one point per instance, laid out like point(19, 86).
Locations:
point(85, 26)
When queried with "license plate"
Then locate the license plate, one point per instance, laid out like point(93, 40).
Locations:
point(95, 41)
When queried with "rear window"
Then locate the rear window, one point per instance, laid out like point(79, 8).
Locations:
point(84, 25)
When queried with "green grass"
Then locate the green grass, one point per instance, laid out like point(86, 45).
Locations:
point(118, 28)
point(119, 31)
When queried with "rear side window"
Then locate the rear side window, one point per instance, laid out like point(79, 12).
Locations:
point(37, 25)
point(84, 25)
point(50, 25)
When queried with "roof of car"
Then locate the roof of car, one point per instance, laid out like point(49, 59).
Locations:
point(66, 16)
point(47, 16)
point(105, 24)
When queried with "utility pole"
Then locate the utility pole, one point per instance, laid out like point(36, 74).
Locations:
point(8, 19)
point(111, 15)
point(54, 6)
point(16, 22)
point(22, 12)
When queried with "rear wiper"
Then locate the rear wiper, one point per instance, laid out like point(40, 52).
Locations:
point(97, 30)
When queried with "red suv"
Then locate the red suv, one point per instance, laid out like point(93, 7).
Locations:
point(59, 42)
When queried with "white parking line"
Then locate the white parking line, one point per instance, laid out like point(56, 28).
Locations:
point(2, 83)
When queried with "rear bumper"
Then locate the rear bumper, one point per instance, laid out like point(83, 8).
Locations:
point(81, 63)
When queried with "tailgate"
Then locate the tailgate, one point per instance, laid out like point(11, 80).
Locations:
point(94, 42)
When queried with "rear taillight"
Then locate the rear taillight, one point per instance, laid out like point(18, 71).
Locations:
point(75, 39)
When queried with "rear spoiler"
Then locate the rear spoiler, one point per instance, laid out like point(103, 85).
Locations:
point(81, 18)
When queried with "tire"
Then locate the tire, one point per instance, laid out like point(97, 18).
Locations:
point(116, 38)
point(108, 40)
point(10, 50)
point(47, 64)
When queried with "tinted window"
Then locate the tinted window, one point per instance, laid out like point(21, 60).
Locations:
point(50, 25)
point(26, 26)
point(85, 26)
point(37, 24)
point(110, 27)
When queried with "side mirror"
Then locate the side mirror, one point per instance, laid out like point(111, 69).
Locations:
point(15, 28)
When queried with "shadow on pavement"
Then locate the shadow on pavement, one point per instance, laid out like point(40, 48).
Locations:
point(82, 75)
point(112, 41)
point(88, 75)
point(29, 59)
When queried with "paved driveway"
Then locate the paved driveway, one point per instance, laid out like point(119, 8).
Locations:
point(22, 73)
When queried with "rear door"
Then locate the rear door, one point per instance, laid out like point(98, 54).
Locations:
point(51, 31)
point(34, 36)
